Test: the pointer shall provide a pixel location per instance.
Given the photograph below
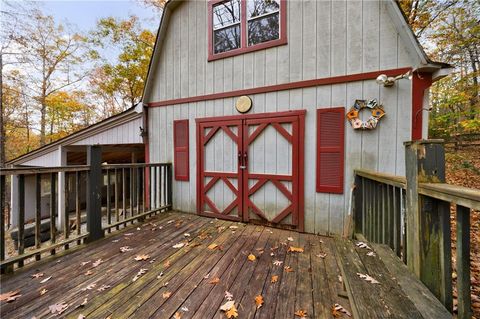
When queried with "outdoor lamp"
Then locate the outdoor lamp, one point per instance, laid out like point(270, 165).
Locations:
point(388, 81)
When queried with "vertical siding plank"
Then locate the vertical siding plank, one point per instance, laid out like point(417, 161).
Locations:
point(309, 34)
point(309, 100)
point(339, 38)
point(295, 40)
point(324, 38)
point(192, 52)
point(388, 40)
point(371, 35)
point(354, 36)
point(184, 61)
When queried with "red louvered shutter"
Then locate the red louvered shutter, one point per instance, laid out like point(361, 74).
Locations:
point(330, 150)
point(181, 153)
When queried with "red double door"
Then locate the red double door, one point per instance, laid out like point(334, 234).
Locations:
point(250, 168)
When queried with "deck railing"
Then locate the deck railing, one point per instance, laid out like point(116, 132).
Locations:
point(97, 199)
point(412, 215)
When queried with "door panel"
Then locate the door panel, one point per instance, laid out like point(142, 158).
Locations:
point(220, 195)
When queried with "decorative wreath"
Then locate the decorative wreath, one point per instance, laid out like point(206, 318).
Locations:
point(372, 121)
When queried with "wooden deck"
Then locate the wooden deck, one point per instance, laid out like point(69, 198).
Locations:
point(182, 280)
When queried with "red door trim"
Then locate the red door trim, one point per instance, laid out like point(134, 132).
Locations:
point(282, 87)
point(420, 82)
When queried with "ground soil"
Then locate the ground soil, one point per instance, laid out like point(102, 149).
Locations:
point(463, 168)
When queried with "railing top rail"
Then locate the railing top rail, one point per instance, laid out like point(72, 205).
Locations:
point(43, 170)
point(397, 181)
point(135, 165)
point(464, 196)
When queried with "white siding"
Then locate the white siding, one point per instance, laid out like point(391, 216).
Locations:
point(125, 133)
point(45, 160)
point(325, 38)
point(381, 149)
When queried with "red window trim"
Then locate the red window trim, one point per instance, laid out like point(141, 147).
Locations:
point(176, 149)
point(340, 149)
point(243, 34)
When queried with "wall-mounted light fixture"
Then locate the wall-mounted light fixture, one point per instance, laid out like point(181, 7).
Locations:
point(388, 81)
point(143, 132)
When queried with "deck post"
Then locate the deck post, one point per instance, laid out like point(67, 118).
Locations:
point(94, 193)
point(427, 219)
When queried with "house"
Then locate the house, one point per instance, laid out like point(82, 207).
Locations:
point(122, 142)
point(265, 108)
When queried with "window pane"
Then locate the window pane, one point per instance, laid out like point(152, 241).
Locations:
point(226, 13)
point(226, 39)
point(263, 29)
point(259, 7)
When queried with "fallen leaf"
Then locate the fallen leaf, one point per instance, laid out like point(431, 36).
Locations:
point(206, 276)
point(103, 287)
point(371, 254)
point(166, 294)
point(288, 269)
point(124, 249)
point(179, 245)
point(115, 240)
point(277, 262)
point(233, 227)
point(140, 273)
point(322, 255)
point(97, 262)
point(85, 262)
point(361, 244)
point(367, 278)
point(290, 238)
point(141, 257)
point(338, 308)
point(186, 235)
point(251, 257)
point(274, 279)
point(45, 280)
point(43, 291)
point(177, 315)
point(228, 305)
point(160, 275)
point(80, 316)
point(214, 281)
point(10, 296)
point(58, 308)
point(89, 287)
point(37, 275)
point(184, 309)
point(340, 279)
point(301, 313)
point(259, 301)
point(295, 249)
point(212, 246)
point(84, 302)
point(232, 313)
point(166, 264)
point(138, 228)
point(128, 234)
point(228, 296)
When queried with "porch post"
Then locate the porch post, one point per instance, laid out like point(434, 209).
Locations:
point(62, 161)
point(427, 219)
point(94, 193)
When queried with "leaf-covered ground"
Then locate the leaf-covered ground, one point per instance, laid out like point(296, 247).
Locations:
point(463, 168)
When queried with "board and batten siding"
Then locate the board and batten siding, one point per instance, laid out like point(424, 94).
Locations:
point(380, 149)
point(45, 160)
point(325, 38)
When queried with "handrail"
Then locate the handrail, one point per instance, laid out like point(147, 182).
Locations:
point(459, 195)
point(42, 170)
point(389, 179)
point(133, 165)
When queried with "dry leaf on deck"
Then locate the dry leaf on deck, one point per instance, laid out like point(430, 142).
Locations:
point(103, 287)
point(288, 269)
point(179, 245)
point(10, 296)
point(166, 264)
point(367, 278)
point(84, 263)
point(228, 305)
point(251, 257)
point(97, 262)
point(89, 287)
point(361, 244)
point(124, 249)
point(301, 313)
point(228, 296)
point(177, 315)
point(274, 279)
point(141, 257)
point(184, 309)
point(371, 254)
point(45, 280)
point(259, 301)
point(295, 249)
point(43, 291)
point(232, 313)
point(88, 273)
point(338, 308)
point(277, 262)
point(212, 246)
point(290, 238)
point(166, 294)
point(140, 272)
point(84, 302)
point(322, 255)
point(233, 227)
point(214, 281)
point(80, 316)
point(58, 308)
point(37, 275)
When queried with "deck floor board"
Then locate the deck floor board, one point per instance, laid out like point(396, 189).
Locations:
point(178, 280)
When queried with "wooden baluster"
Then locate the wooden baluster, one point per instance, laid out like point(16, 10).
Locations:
point(53, 203)
point(364, 205)
point(38, 212)
point(132, 188)
point(358, 204)
point(117, 208)
point(463, 262)
point(391, 229)
point(138, 188)
point(2, 218)
point(144, 195)
point(369, 209)
point(384, 213)
point(66, 219)
point(154, 188)
point(77, 205)
point(397, 225)
point(165, 184)
point(124, 195)
point(445, 259)
point(109, 208)
point(21, 217)
point(169, 185)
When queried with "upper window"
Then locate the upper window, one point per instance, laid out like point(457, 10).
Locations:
point(238, 26)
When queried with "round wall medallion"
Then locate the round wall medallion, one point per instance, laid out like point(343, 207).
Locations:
point(244, 104)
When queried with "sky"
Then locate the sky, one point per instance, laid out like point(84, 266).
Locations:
point(84, 14)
